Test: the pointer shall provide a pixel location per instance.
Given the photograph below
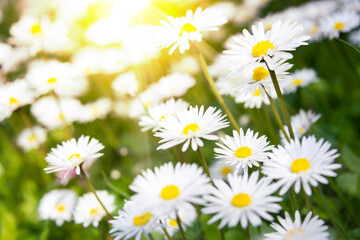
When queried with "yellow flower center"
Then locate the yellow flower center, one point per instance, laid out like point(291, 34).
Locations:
point(170, 192)
point(52, 80)
point(294, 234)
point(13, 101)
point(61, 208)
point(297, 82)
point(313, 30)
point(74, 155)
point(257, 93)
point(147, 104)
point(300, 164)
point(162, 118)
point(32, 137)
point(225, 170)
point(191, 127)
point(173, 223)
point(241, 200)
point(36, 29)
point(93, 211)
point(301, 129)
point(142, 219)
point(260, 73)
point(187, 27)
point(95, 110)
point(339, 25)
point(261, 48)
point(243, 152)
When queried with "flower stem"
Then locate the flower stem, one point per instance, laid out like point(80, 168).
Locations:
point(222, 234)
point(281, 101)
point(249, 232)
point(333, 219)
point(211, 82)
point(293, 200)
point(150, 236)
point(308, 203)
point(203, 162)
point(180, 227)
point(166, 233)
point(277, 116)
point(83, 174)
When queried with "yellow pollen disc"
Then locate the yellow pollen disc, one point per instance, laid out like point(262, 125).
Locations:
point(300, 164)
point(261, 48)
point(162, 117)
point(36, 29)
point(13, 101)
point(257, 93)
point(173, 223)
point(297, 82)
point(296, 232)
point(142, 220)
point(74, 155)
point(301, 129)
point(187, 27)
point(339, 25)
point(61, 208)
point(61, 116)
point(147, 104)
point(260, 73)
point(52, 80)
point(170, 192)
point(241, 200)
point(226, 170)
point(313, 30)
point(243, 152)
point(32, 137)
point(191, 127)
point(93, 211)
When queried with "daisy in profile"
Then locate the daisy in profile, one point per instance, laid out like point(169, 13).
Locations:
point(243, 149)
point(57, 205)
point(339, 22)
point(31, 138)
point(309, 229)
point(301, 123)
point(189, 126)
point(179, 32)
point(135, 220)
point(89, 211)
point(220, 170)
point(71, 154)
point(254, 99)
point(247, 199)
point(187, 215)
point(158, 113)
point(306, 162)
point(264, 45)
point(300, 78)
point(169, 187)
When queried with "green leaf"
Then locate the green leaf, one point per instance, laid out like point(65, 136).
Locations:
point(352, 161)
point(347, 183)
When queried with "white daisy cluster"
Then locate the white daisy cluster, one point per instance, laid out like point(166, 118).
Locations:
point(63, 206)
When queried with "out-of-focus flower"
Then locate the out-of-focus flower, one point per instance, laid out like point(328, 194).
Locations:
point(126, 84)
point(31, 138)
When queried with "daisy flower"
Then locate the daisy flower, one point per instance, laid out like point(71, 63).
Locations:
point(261, 45)
point(168, 188)
point(339, 22)
point(301, 163)
point(245, 200)
point(158, 113)
point(300, 78)
point(133, 221)
point(300, 123)
point(88, 209)
point(179, 32)
point(254, 99)
point(189, 126)
point(187, 215)
point(31, 138)
point(57, 205)
point(98, 109)
point(220, 170)
point(243, 149)
point(16, 94)
point(187, 64)
point(126, 84)
point(309, 229)
point(71, 154)
point(174, 85)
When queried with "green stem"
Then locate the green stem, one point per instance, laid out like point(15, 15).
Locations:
point(203, 162)
point(277, 116)
point(333, 219)
point(166, 233)
point(211, 82)
point(222, 234)
point(281, 101)
point(293, 200)
point(180, 227)
point(350, 45)
point(178, 153)
point(83, 174)
point(308, 203)
point(150, 236)
point(249, 232)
